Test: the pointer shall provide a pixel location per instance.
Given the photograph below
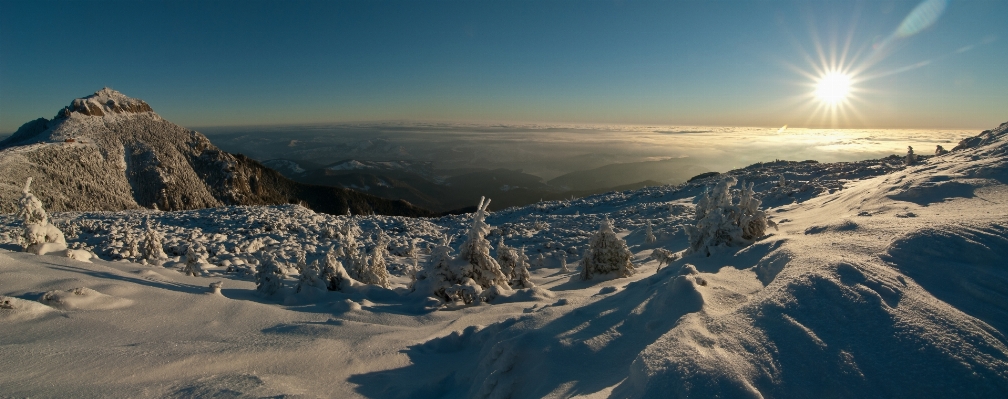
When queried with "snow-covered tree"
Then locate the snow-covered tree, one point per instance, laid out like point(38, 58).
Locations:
point(352, 258)
point(507, 258)
point(153, 248)
point(193, 258)
point(333, 274)
point(40, 236)
point(606, 254)
point(940, 150)
point(649, 236)
point(375, 270)
point(563, 262)
point(311, 278)
point(269, 276)
point(522, 278)
point(131, 246)
point(911, 158)
point(721, 222)
point(482, 268)
point(540, 261)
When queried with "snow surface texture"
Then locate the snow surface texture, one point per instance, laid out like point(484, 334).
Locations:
point(877, 284)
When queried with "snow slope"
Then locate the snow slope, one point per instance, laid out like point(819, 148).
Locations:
point(882, 281)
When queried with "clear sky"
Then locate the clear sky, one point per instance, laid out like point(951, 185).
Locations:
point(748, 63)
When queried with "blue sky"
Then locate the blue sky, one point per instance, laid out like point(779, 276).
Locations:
point(748, 63)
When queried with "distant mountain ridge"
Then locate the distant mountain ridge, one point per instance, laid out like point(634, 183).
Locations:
point(108, 151)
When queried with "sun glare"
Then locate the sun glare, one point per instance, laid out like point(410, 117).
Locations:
point(833, 88)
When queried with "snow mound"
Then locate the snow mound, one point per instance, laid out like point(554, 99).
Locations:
point(17, 309)
point(83, 298)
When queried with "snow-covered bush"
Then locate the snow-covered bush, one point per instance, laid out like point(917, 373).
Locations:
point(563, 261)
point(507, 258)
point(269, 276)
point(334, 275)
point(911, 158)
point(522, 278)
point(472, 277)
point(606, 254)
point(664, 256)
point(722, 222)
point(193, 259)
point(311, 278)
point(153, 248)
point(940, 150)
point(375, 271)
point(40, 237)
point(475, 251)
point(649, 236)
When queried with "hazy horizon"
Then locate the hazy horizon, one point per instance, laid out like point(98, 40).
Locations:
point(914, 64)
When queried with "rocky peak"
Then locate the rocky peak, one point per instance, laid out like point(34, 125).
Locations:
point(106, 101)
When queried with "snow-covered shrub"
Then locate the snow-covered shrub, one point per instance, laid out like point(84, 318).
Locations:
point(475, 251)
point(649, 236)
point(269, 276)
point(40, 237)
point(375, 271)
point(664, 256)
point(606, 254)
point(522, 278)
point(153, 248)
point(911, 158)
point(507, 258)
point(333, 274)
point(721, 222)
point(540, 261)
point(349, 251)
point(474, 276)
point(311, 278)
point(193, 258)
point(563, 261)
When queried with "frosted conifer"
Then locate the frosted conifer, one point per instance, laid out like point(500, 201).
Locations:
point(39, 235)
point(269, 276)
point(153, 250)
point(606, 254)
point(335, 276)
point(720, 222)
point(507, 258)
point(193, 259)
point(482, 268)
point(911, 158)
point(563, 262)
point(522, 278)
point(311, 277)
point(649, 236)
point(375, 271)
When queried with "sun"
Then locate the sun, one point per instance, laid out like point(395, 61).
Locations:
point(833, 88)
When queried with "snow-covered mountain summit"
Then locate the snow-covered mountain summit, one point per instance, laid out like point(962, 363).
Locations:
point(108, 151)
point(108, 101)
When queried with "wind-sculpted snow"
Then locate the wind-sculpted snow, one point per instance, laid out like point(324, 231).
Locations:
point(880, 282)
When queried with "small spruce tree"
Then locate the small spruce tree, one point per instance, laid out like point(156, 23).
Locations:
point(475, 251)
point(269, 275)
point(153, 250)
point(649, 236)
point(375, 272)
point(607, 254)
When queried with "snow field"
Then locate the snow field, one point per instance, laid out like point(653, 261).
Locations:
point(880, 281)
